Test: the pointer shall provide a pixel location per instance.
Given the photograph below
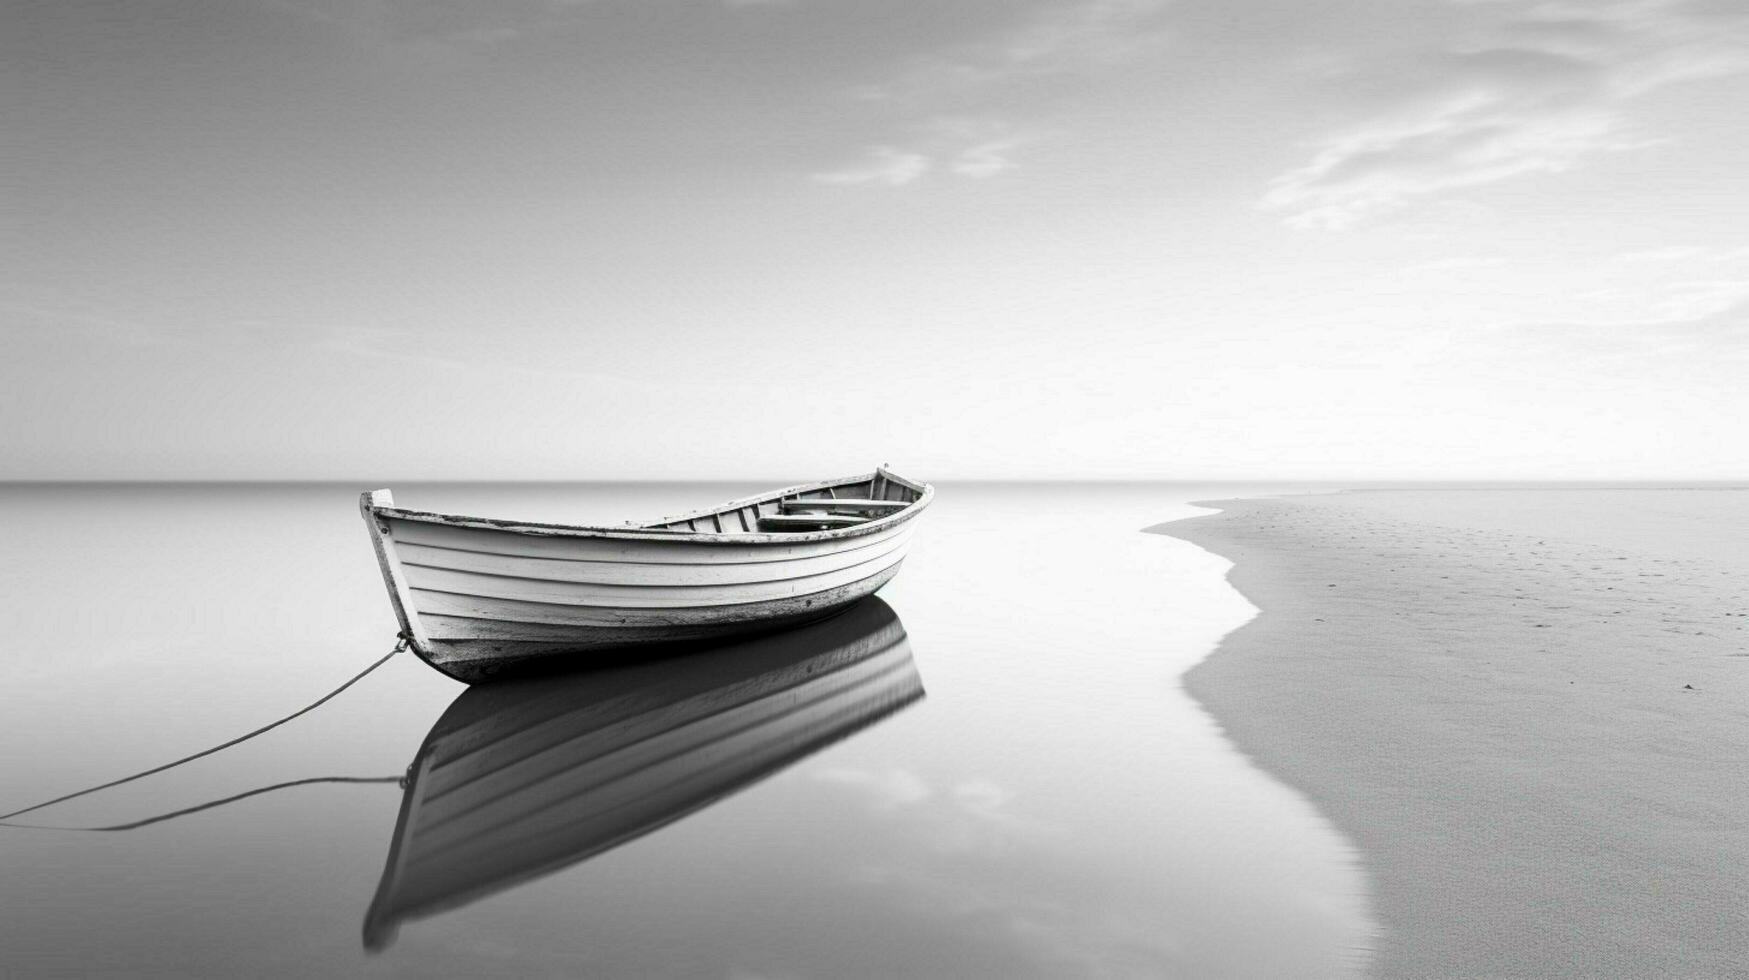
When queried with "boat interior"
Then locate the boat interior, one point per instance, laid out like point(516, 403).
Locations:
point(823, 506)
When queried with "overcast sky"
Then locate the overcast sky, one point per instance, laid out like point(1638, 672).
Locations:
point(789, 238)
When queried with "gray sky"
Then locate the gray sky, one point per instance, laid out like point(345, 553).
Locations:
point(788, 238)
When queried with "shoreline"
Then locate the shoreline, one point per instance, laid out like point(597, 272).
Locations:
point(1498, 722)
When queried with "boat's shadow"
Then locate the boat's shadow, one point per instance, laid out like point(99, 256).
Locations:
point(522, 778)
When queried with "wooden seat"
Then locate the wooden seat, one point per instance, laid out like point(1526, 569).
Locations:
point(868, 506)
point(808, 522)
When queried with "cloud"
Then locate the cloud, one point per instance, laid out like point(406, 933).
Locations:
point(970, 106)
point(1640, 348)
point(1458, 263)
point(889, 790)
point(884, 165)
point(1534, 88)
point(1671, 326)
point(984, 159)
point(1469, 143)
point(1703, 299)
point(1064, 37)
point(977, 147)
point(972, 148)
point(1668, 253)
point(1691, 254)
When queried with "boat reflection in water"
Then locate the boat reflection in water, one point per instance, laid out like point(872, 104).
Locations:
point(525, 777)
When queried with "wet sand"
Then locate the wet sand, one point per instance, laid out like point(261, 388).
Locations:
point(1529, 709)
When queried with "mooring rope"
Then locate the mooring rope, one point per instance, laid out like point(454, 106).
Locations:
point(324, 699)
point(185, 811)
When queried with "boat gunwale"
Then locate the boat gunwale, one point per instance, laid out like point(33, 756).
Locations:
point(925, 492)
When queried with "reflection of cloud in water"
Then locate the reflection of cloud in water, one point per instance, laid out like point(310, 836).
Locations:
point(983, 797)
point(1065, 918)
point(965, 818)
point(890, 789)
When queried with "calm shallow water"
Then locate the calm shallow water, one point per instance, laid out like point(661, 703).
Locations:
point(1055, 806)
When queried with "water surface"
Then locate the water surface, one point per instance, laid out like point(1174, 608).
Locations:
point(1054, 806)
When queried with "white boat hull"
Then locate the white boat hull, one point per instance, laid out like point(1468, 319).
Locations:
point(476, 596)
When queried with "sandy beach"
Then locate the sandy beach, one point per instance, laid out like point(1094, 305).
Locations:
point(1528, 708)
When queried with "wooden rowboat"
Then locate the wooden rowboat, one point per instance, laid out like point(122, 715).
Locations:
point(522, 778)
point(475, 596)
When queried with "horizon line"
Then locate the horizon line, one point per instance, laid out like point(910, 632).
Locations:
point(1674, 482)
